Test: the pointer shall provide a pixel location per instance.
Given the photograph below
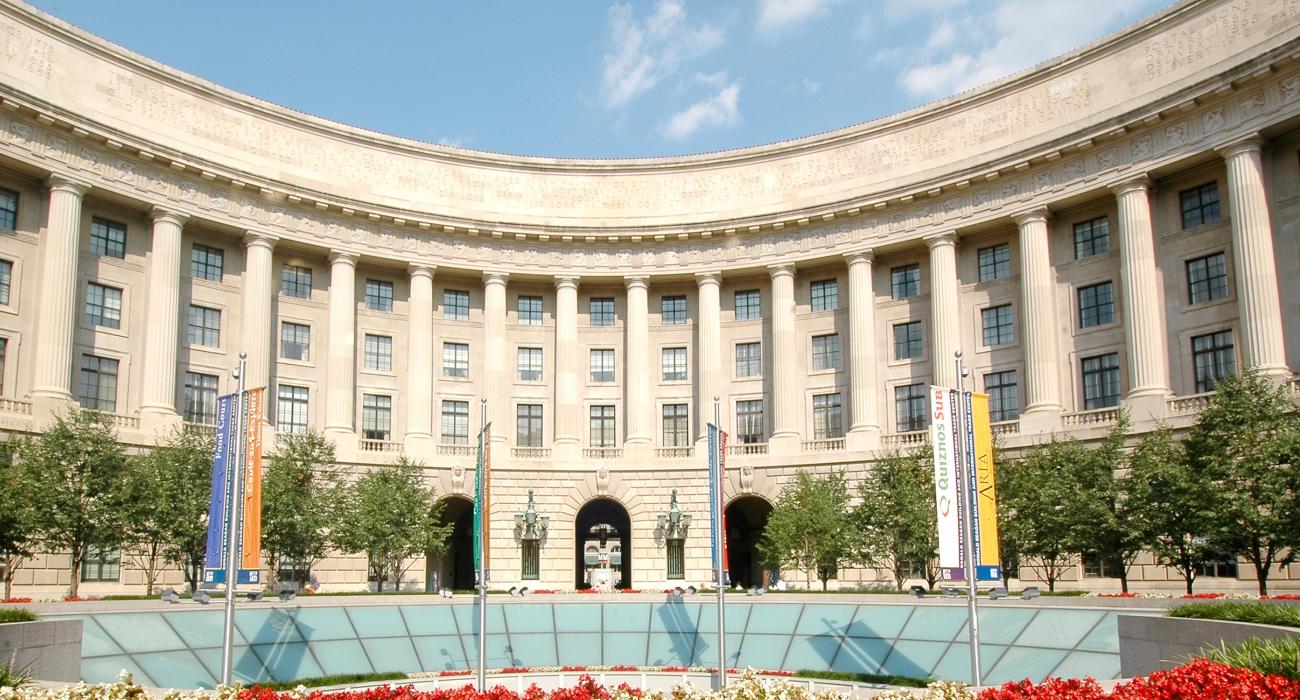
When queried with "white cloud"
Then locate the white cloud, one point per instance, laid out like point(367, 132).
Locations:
point(644, 52)
point(456, 141)
point(811, 87)
point(776, 15)
point(720, 110)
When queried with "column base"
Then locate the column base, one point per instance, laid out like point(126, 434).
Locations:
point(784, 444)
point(420, 447)
point(345, 441)
point(639, 449)
point(48, 406)
point(159, 421)
point(863, 439)
point(1040, 420)
point(1147, 405)
point(566, 450)
point(1277, 374)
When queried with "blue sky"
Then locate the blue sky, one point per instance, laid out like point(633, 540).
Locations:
point(583, 78)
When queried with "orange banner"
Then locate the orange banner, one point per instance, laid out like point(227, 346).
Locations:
point(252, 544)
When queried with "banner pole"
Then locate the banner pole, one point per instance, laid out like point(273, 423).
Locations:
point(235, 481)
point(715, 473)
point(481, 494)
point(966, 450)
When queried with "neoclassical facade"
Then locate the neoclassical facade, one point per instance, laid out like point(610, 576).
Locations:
point(1115, 228)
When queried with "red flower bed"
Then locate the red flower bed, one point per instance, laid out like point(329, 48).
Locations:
point(777, 673)
point(16, 600)
point(586, 590)
point(543, 591)
point(1117, 595)
point(77, 599)
point(573, 668)
point(516, 669)
point(1198, 680)
point(629, 590)
point(675, 669)
point(1284, 596)
point(1202, 596)
point(459, 672)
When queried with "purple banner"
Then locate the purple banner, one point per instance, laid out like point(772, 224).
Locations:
point(219, 505)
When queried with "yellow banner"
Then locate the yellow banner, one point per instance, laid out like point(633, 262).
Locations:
point(252, 544)
point(984, 480)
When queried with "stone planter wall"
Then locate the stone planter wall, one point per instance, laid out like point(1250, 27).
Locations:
point(1149, 644)
point(46, 649)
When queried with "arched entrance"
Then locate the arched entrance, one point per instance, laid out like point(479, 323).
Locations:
point(603, 538)
point(746, 518)
point(455, 568)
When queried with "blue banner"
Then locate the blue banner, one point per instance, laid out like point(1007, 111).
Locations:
point(219, 504)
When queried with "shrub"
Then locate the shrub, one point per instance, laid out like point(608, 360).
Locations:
point(1273, 656)
point(1258, 613)
point(341, 679)
point(865, 678)
point(16, 615)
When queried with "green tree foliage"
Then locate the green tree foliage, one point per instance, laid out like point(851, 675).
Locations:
point(810, 527)
point(1113, 526)
point(895, 518)
point(391, 516)
point(299, 502)
point(1176, 502)
point(17, 522)
point(1040, 508)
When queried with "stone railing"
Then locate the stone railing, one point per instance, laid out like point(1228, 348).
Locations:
point(16, 406)
point(380, 446)
point(824, 445)
point(1183, 405)
point(119, 420)
point(1295, 386)
point(202, 429)
point(530, 452)
point(747, 448)
point(1097, 416)
point(602, 452)
point(1006, 427)
point(897, 441)
point(674, 452)
point(452, 450)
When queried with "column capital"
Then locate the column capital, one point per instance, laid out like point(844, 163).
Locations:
point(636, 281)
point(860, 256)
point(1243, 144)
point(259, 239)
point(63, 183)
point(1038, 214)
point(491, 278)
point(566, 281)
point(420, 269)
point(1139, 183)
point(170, 216)
point(934, 240)
point(781, 270)
point(713, 277)
point(344, 257)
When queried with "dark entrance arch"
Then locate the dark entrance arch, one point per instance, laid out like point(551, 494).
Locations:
point(455, 568)
point(603, 528)
point(746, 518)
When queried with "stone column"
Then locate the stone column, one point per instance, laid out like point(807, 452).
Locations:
point(162, 322)
point(708, 352)
point(1263, 348)
point(864, 430)
point(259, 292)
point(420, 361)
point(495, 362)
point(785, 364)
point(636, 370)
point(1144, 317)
point(56, 310)
point(1042, 380)
point(568, 358)
point(341, 364)
point(945, 312)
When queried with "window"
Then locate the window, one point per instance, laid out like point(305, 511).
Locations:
point(6, 279)
point(103, 306)
point(455, 422)
point(1101, 381)
point(999, 329)
point(1207, 279)
point(602, 366)
point(378, 353)
point(291, 410)
point(749, 359)
point(1200, 204)
point(379, 295)
point(295, 341)
point(601, 311)
point(908, 344)
point(825, 295)
point(673, 310)
point(1004, 396)
point(828, 417)
point(995, 262)
point(200, 398)
point(1213, 358)
point(749, 305)
point(676, 559)
point(107, 238)
point(1096, 567)
point(100, 564)
point(826, 351)
point(677, 426)
point(528, 362)
point(905, 281)
point(295, 281)
point(909, 408)
point(204, 326)
point(376, 417)
point(530, 564)
point(455, 360)
point(206, 263)
point(672, 362)
point(1222, 566)
point(1091, 238)
point(8, 209)
point(528, 425)
point(602, 426)
point(749, 422)
point(530, 310)
point(98, 383)
point(1096, 305)
point(455, 305)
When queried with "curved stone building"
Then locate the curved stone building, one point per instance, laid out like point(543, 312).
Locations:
point(1115, 227)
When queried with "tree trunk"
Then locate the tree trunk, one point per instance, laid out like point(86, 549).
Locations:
point(75, 585)
point(1261, 572)
point(1123, 581)
point(9, 583)
point(1189, 577)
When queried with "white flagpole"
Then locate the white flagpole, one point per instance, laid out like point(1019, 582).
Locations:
point(715, 473)
point(235, 481)
point(973, 629)
point(481, 494)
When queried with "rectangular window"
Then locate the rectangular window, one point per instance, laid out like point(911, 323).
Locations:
point(6, 280)
point(1096, 305)
point(200, 398)
point(825, 295)
point(528, 362)
point(455, 360)
point(1223, 566)
point(103, 306)
point(826, 352)
point(908, 344)
point(295, 341)
point(749, 305)
point(530, 564)
point(828, 417)
point(1101, 381)
point(1091, 237)
point(1213, 358)
point(602, 366)
point(455, 422)
point(291, 410)
point(108, 238)
point(99, 564)
point(909, 408)
point(1207, 278)
point(676, 559)
point(376, 417)
point(378, 353)
point(204, 326)
point(995, 262)
point(1096, 567)
point(98, 390)
point(749, 359)
point(295, 281)
point(672, 363)
point(530, 310)
point(999, 329)
point(676, 425)
point(206, 263)
point(1200, 204)
point(528, 425)
point(673, 310)
point(602, 426)
point(4, 353)
point(601, 311)
point(8, 209)
point(379, 295)
point(1004, 396)
point(749, 422)
point(455, 305)
point(905, 281)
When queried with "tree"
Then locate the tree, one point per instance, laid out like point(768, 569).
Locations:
point(1040, 506)
point(76, 473)
point(299, 502)
point(1246, 442)
point(1113, 524)
point(17, 522)
point(391, 516)
point(1176, 501)
point(895, 519)
point(809, 527)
